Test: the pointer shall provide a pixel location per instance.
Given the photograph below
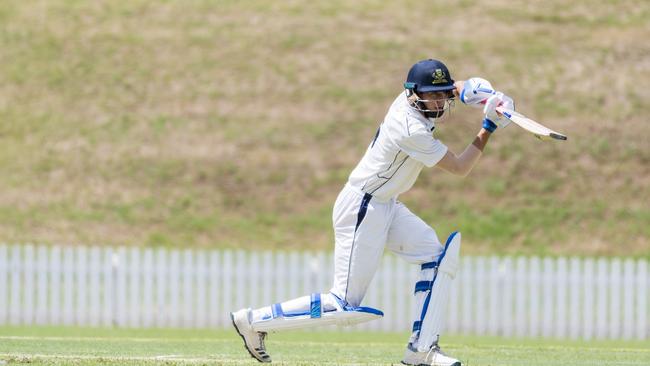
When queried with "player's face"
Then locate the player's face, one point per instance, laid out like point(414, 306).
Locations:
point(437, 102)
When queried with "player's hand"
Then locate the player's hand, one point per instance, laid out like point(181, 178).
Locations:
point(492, 117)
point(476, 91)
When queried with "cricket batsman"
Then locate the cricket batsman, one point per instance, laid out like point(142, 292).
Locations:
point(368, 218)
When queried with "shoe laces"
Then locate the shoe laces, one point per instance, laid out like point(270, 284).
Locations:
point(435, 348)
point(261, 336)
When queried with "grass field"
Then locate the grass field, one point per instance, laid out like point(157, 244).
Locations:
point(73, 346)
point(204, 123)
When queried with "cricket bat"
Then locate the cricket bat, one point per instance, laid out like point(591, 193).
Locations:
point(537, 129)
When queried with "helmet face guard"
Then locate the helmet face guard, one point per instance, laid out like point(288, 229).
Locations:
point(443, 105)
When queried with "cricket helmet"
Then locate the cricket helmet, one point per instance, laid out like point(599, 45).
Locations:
point(429, 76)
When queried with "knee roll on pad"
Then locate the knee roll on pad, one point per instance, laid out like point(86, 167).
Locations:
point(432, 295)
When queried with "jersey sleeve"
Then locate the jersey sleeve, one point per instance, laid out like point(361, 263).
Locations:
point(424, 148)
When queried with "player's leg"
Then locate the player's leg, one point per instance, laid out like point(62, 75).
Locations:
point(417, 242)
point(360, 227)
point(302, 312)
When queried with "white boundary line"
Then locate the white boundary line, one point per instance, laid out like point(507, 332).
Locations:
point(173, 358)
point(116, 338)
point(178, 358)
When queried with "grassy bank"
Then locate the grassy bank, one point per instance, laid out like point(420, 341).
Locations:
point(234, 124)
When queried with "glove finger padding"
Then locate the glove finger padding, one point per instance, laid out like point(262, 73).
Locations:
point(476, 91)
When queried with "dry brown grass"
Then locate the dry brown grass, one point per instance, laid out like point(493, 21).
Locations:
point(236, 123)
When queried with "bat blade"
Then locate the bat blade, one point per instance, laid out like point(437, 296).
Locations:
point(540, 131)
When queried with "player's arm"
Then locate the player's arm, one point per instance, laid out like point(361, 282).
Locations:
point(462, 164)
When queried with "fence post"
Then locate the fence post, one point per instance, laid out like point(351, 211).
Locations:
point(494, 295)
point(588, 319)
point(147, 288)
point(575, 289)
point(561, 302)
point(15, 272)
point(163, 318)
point(119, 273)
point(201, 272)
point(535, 315)
point(227, 287)
point(42, 271)
point(132, 268)
point(295, 277)
point(279, 293)
point(548, 274)
point(95, 269)
point(628, 299)
point(81, 311)
point(108, 299)
point(28, 285)
point(521, 305)
point(482, 297)
point(615, 292)
point(467, 300)
point(4, 293)
point(54, 311)
point(642, 324)
point(187, 273)
point(174, 293)
point(253, 285)
point(506, 274)
point(241, 280)
point(601, 298)
point(215, 309)
point(68, 285)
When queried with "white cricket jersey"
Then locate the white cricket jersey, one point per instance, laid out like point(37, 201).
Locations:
point(403, 145)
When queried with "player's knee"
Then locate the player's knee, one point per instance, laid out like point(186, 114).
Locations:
point(450, 257)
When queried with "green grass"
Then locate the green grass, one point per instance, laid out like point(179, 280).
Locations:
point(74, 346)
point(235, 124)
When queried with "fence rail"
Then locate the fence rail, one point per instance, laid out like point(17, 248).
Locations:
point(592, 298)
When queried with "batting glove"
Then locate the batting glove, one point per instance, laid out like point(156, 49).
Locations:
point(498, 99)
point(476, 91)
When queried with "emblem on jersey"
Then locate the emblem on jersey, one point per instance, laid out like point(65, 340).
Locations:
point(439, 77)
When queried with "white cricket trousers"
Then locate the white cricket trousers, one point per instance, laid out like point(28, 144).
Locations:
point(363, 227)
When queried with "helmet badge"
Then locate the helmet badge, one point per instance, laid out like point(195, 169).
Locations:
point(439, 77)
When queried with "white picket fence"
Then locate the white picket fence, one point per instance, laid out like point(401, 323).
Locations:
point(592, 298)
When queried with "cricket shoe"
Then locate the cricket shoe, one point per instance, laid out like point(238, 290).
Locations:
point(433, 357)
point(253, 341)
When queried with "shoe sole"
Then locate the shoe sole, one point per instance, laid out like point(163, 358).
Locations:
point(232, 318)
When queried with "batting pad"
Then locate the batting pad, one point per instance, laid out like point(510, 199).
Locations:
point(432, 295)
point(317, 315)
